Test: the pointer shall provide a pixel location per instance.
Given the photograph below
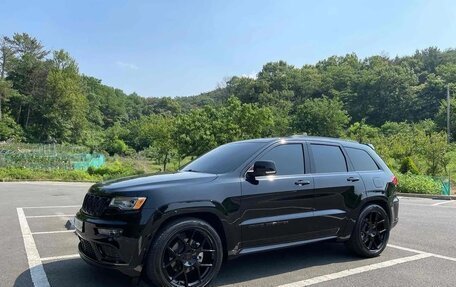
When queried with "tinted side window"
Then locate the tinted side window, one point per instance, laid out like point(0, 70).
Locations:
point(361, 160)
point(225, 158)
point(328, 158)
point(288, 158)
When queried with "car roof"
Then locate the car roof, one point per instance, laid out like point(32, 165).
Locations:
point(344, 142)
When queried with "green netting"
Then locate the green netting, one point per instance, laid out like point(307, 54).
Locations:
point(48, 157)
point(445, 185)
point(90, 161)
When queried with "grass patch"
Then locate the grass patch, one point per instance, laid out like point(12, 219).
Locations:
point(19, 173)
point(116, 167)
point(410, 183)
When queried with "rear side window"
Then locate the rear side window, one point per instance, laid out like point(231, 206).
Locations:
point(361, 160)
point(288, 159)
point(328, 158)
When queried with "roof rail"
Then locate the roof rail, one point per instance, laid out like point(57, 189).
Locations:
point(370, 145)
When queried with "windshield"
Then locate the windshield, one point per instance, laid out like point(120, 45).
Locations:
point(225, 158)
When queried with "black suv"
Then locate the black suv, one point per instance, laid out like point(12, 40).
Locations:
point(239, 198)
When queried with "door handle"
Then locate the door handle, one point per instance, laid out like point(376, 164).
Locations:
point(353, 179)
point(302, 182)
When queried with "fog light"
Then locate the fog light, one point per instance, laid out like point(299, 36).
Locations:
point(110, 232)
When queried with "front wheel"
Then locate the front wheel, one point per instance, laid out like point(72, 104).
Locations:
point(371, 232)
point(186, 253)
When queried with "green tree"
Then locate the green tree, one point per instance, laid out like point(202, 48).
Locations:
point(362, 132)
point(6, 56)
point(28, 72)
point(65, 105)
point(441, 117)
point(10, 130)
point(162, 147)
point(435, 151)
point(203, 129)
point(321, 117)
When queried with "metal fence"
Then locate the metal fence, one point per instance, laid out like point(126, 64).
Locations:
point(48, 156)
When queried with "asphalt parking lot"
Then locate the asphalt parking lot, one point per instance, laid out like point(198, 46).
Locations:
point(37, 242)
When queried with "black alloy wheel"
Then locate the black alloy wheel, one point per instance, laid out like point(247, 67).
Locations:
point(187, 253)
point(371, 232)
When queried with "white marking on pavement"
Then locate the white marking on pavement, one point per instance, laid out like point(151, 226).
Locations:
point(37, 273)
point(440, 203)
point(57, 206)
point(50, 215)
point(63, 257)
point(422, 252)
point(425, 205)
point(357, 270)
point(52, 232)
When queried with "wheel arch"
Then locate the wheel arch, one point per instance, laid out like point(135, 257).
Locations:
point(211, 218)
point(379, 200)
point(209, 212)
point(382, 201)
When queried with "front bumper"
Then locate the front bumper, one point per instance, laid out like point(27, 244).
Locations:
point(122, 252)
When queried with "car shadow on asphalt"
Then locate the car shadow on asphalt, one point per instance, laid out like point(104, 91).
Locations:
point(267, 264)
point(75, 272)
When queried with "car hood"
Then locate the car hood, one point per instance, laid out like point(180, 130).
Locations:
point(154, 181)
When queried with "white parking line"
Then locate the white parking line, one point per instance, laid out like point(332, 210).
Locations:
point(426, 205)
point(50, 215)
point(57, 206)
point(354, 271)
point(37, 273)
point(440, 203)
point(52, 232)
point(422, 252)
point(63, 257)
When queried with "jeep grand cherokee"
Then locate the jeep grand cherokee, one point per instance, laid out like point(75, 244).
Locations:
point(240, 198)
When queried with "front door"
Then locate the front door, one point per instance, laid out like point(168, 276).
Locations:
point(278, 208)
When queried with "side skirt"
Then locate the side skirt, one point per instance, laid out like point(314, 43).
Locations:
point(281, 245)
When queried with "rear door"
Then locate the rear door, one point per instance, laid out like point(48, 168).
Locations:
point(278, 208)
point(338, 188)
point(373, 176)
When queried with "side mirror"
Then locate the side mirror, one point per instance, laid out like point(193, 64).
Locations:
point(264, 167)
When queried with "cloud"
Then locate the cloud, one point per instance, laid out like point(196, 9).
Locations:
point(128, 66)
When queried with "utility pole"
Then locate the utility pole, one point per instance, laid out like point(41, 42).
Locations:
point(448, 113)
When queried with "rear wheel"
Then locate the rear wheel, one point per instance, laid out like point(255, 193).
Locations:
point(186, 253)
point(371, 233)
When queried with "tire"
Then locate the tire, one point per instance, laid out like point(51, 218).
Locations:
point(187, 252)
point(371, 232)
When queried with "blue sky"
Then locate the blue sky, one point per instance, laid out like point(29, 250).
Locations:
point(181, 48)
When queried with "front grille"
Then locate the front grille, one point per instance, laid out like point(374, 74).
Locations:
point(95, 205)
point(87, 249)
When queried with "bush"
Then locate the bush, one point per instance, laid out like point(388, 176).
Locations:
point(113, 170)
point(10, 130)
point(116, 146)
point(408, 166)
point(18, 173)
point(410, 183)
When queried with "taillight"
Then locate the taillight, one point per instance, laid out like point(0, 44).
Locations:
point(394, 180)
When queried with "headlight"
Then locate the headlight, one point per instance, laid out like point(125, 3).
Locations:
point(127, 203)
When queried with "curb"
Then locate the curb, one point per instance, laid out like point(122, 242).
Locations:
point(431, 196)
